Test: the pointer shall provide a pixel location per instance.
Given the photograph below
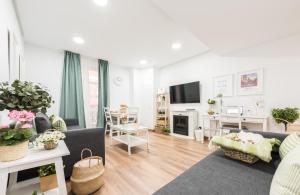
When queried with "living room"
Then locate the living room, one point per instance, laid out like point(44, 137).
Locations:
point(154, 90)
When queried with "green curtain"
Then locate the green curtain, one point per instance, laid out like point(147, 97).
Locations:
point(103, 90)
point(71, 102)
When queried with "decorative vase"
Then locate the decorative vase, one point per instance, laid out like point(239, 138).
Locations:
point(211, 110)
point(14, 152)
point(50, 145)
point(48, 183)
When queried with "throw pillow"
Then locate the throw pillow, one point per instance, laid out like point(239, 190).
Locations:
point(288, 144)
point(58, 123)
point(42, 123)
point(286, 180)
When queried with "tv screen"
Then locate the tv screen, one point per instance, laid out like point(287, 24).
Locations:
point(185, 93)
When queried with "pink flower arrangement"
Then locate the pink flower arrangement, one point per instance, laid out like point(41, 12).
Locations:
point(22, 116)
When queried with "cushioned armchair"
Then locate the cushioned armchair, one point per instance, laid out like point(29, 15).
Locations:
point(76, 139)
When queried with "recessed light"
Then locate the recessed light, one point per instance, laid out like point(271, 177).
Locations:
point(176, 45)
point(143, 62)
point(101, 3)
point(78, 40)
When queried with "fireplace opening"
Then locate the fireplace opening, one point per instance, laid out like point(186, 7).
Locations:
point(181, 124)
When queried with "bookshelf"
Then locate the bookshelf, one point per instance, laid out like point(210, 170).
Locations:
point(162, 112)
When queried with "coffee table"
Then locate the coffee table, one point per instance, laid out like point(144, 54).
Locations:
point(128, 134)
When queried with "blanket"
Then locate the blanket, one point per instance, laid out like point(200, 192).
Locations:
point(249, 143)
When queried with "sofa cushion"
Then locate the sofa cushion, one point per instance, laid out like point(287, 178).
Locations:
point(217, 174)
point(58, 123)
point(42, 123)
point(286, 180)
point(290, 143)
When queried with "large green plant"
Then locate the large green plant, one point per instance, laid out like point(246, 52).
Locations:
point(285, 116)
point(24, 96)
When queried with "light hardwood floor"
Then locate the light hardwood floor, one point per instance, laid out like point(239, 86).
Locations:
point(145, 172)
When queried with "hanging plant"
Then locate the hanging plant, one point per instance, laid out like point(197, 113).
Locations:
point(25, 95)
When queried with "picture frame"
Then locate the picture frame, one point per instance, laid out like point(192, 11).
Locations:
point(223, 85)
point(250, 82)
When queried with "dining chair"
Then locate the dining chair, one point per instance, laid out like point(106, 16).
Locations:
point(109, 123)
point(133, 113)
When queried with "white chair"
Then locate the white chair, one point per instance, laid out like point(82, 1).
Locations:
point(109, 123)
point(133, 113)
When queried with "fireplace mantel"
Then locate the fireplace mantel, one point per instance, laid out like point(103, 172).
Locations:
point(192, 122)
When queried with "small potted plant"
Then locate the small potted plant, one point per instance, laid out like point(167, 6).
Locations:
point(285, 116)
point(48, 179)
point(211, 103)
point(166, 131)
point(14, 138)
point(50, 139)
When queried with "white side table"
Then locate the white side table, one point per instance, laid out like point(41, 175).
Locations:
point(35, 158)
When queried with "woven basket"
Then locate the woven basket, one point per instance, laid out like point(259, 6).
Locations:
point(87, 174)
point(241, 156)
point(50, 145)
point(10, 153)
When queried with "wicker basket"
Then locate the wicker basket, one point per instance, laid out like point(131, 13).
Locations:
point(10, 153)
point(50, 145)
point(87, 174)
point(237, 155)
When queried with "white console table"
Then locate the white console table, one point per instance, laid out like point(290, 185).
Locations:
point(36, 157)
point(223, 119)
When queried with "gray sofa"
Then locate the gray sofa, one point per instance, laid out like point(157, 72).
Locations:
point(76, 139)
point(218, 175)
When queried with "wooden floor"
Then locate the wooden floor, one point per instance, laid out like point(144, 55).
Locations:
point(145, 172)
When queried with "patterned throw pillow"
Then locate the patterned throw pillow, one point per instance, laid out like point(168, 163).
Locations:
point(288, 144)
point(58, 123)
point(286, 180)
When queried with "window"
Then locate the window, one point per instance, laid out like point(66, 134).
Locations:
point(93, 95)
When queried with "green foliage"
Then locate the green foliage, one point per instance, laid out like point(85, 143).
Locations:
point(166, 131)
point(47, 170)
point(24, 96)
point(9, 137)
point(211, 101)
point(285, 116)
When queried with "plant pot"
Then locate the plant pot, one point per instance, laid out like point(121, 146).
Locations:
point(10, 153)
point(50, 145)
point(48, 183)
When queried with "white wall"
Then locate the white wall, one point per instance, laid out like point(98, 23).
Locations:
point(143, 95)
point(8, 22)
point(45, 66)
point(281, 79)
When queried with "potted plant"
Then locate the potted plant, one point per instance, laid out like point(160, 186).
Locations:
point(50, 139)
point(211, 103)
point(25, 95)
point(48, 179)
point(285, 116)
point(166, 131)
point(14, 137)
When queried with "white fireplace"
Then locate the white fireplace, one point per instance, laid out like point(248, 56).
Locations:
point(184, 123)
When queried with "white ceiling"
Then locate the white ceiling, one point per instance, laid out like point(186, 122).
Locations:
point(124, 32)
point(226, 26)
point(127, 31)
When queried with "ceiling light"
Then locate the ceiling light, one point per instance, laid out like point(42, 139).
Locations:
point(176, 45)
point(101, 3)
point(78, 40)
point(143, 62)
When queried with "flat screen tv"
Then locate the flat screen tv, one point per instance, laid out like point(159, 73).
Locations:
point(185, 93)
